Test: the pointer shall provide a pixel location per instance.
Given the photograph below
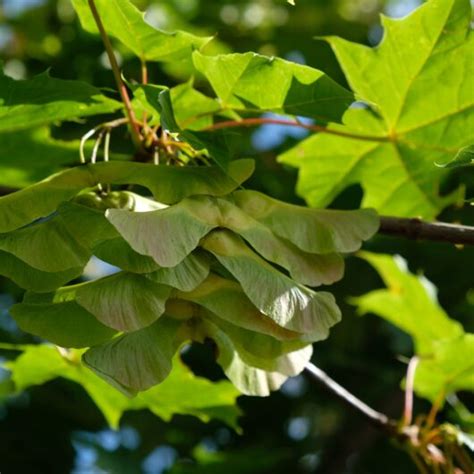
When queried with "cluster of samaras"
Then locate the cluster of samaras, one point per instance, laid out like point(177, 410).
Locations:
point(197, 261)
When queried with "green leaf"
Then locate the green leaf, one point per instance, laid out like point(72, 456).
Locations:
point(465, 157)
point(167, 183)
point(226, 299)
point(185, 276)
point(30, 278)
point(288, 303)
point(312, 230)
point(123, 301)
point(222, 145)
point(445, 351)
point(182, 392)
point(47, 246)
point(409, 303)
point(65, 324)
point(139, 360)
point(253, 82)
point(265, 352)
point(20, 165)
point(167, 235)
point(418, 86)
point(29, 103)
point(159, 235)
point(192, 110)
point(249, 380)
point(124, 21)
point(449, 369)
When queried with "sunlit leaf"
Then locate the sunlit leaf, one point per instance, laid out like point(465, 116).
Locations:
point(313, 230)
point(409, 303)
point(444, 350)
point(168, 185)
point(289, 304)
point(181, 393)
point(418, 86)
point(125, 22)
point(253, 82)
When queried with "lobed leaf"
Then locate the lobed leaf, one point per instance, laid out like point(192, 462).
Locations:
point(444, 349)
point(409, 303)
point(420, 113)
point(181, 393)
point(122, 20)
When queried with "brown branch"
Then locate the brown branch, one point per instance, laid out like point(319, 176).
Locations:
point(135, 129)
point(417, 229)
point(377, 419)
point(253, 122)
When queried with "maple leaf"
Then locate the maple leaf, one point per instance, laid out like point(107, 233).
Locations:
point(418, 90)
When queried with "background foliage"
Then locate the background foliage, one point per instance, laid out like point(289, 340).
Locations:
point(300, 428)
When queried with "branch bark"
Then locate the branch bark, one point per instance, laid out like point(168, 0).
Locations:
point(417, 229)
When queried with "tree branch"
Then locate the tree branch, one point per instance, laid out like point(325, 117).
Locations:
point(135, 129)
point(377, 419)
point(418, 229)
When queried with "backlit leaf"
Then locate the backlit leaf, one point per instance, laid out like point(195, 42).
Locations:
point(418, 86)
point(253, 82)
point(125, 22)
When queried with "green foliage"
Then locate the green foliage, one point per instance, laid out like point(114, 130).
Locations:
point(179, 300)
point(125, 22)
point(445, 350)
point(181, 393)
point(417, 85)
point(253, 82)
point(201, 259)
point(44, 99)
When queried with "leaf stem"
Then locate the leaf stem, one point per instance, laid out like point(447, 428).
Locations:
point(376, 418)
point(408, 410)
point(252, 122)
point(135, 129)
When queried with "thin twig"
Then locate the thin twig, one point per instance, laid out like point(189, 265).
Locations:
point(252, 122)
point(135, 129)
point(418, 229)
point(408, 410)
point(376, 418)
